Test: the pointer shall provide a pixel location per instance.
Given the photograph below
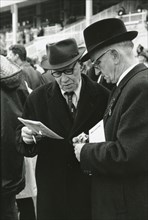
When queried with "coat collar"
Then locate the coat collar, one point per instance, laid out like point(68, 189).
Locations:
point(117, 90)
point(60, 111)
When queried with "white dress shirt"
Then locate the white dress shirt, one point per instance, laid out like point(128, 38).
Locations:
point(125, 73)
point(76, 94)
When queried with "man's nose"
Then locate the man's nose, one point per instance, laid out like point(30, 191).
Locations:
point(64, 77)
point(97, 72)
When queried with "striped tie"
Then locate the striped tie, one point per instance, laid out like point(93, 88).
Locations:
point(70, 103)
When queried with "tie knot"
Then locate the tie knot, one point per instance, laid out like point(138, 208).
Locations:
point(69, 96)
point(69, 93)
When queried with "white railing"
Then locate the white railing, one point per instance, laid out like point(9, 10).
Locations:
point(130, 18)
point(133, 18)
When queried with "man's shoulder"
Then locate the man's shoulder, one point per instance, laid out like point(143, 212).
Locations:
point(43, 89)
point(94, 85)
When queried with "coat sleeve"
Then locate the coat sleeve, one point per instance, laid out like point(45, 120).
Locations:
point(127, 154)
point(29, 112)
point(28, 150)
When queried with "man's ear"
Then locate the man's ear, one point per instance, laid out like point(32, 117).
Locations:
point(116, 56)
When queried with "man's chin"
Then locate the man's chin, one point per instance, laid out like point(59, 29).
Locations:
point(68, 88)
point(110, 81)
point(107, 80)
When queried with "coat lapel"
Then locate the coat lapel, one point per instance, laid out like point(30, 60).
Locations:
point(85, 108)
point(115, 95)
point(59, 111)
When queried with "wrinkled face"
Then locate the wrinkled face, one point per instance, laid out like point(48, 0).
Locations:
point(68, 78)
point(12, 56)
point(103, 63)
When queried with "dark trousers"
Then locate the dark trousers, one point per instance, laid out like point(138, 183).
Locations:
point(8, 208)
point(26, 209)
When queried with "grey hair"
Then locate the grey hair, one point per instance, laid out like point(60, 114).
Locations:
point(125, 44)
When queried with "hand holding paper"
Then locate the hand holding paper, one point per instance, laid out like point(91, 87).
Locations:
point(96, 135)
point(39, 128)
point(29, 136)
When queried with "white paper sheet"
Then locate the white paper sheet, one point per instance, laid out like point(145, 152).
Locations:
point(96, 133)
point(39, 128)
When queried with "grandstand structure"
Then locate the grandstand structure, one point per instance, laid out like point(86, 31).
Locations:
point(75, 17)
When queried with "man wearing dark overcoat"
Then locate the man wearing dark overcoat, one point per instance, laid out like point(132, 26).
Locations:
point(119, 161)
point(63, 189)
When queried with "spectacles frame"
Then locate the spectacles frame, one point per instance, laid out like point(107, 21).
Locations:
point(68, 72)
point(98, 61)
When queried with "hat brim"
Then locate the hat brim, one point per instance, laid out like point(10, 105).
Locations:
point(130, 35)
point(45, 64)
point(49, 66)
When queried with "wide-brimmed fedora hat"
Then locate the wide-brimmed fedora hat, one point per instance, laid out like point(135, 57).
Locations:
point(104, 33)
point(63, 53)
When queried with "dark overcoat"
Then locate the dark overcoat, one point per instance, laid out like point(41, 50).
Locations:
point(13, 96)
point(63, 189)
point(119, 166)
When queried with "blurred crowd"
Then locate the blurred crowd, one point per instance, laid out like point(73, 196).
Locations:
point(26, 36)
point(142, 54)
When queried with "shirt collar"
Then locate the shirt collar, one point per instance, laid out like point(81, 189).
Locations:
point(125, 73)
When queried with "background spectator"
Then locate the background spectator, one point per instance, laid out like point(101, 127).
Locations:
point(18, 54)
point(13, 97)
point(142, 54)
point(47, 76)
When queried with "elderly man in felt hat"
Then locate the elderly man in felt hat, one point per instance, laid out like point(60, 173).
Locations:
point(119, 162)
point(71, 104)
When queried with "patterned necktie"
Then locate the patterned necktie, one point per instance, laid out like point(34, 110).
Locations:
point(70, 103)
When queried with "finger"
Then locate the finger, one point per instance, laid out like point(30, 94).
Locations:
point(38, 137)
point(28, 140)
point(75, 149)
point(75, 139)
point(84, 138)
point(26, 130)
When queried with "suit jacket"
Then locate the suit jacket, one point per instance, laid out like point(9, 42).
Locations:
point(120, 165)
point(63, 189)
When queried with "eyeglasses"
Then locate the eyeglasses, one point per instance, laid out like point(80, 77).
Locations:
point(98, 61)
point(68, 72)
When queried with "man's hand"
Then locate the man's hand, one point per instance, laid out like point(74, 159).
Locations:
point(78, 143)
point(81, 138)
point(29, 137)
point(77, 149)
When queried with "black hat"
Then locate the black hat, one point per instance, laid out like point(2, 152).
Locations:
point(63, 53)
point(105, 32)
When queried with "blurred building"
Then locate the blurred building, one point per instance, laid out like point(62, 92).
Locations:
point(61, 19)
point(35, 13)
